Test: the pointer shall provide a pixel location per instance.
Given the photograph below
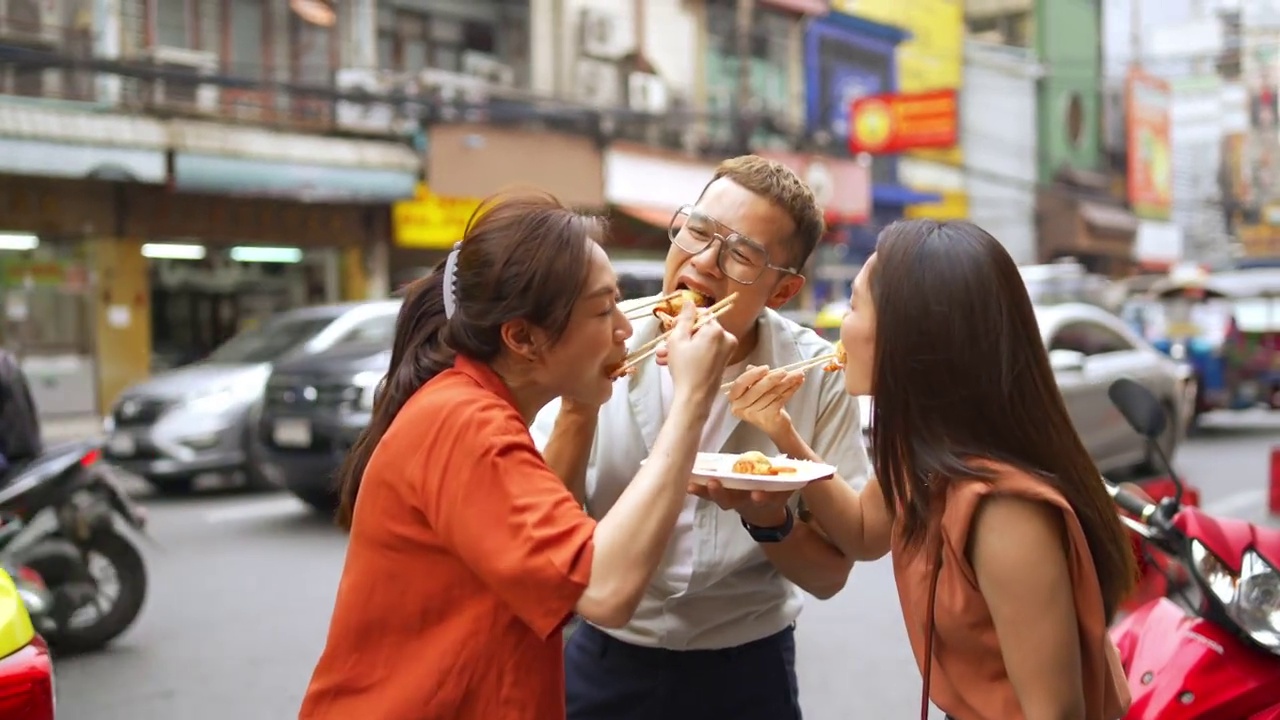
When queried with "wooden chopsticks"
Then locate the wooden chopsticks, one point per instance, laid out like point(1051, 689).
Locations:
point(799, 365)
point(652, 346)
point(644, 309)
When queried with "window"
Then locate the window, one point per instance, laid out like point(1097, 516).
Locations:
point(377, 329)
point(247, 54)
point(1089, 338)
point(173, 22)
point(409, 41)
point(769, 60)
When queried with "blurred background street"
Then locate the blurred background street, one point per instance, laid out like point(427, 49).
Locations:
point(207, 208)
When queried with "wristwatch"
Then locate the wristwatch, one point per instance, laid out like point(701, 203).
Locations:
point(771, 534)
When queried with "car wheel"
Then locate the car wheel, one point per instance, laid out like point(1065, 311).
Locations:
point(173, 487)
point(324, 502)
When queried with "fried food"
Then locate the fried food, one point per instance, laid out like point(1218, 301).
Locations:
point(841, 358)
point(673, 305)
point(755, 463)
point(668, 310)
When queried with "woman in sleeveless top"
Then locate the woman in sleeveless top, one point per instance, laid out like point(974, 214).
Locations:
point(1007, 552)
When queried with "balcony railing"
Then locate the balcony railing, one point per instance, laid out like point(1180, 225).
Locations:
point(379, 103)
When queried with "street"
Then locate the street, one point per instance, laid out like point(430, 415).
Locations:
point(242, 587)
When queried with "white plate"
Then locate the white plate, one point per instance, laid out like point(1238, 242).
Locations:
point(292, 433)
point(720, 467)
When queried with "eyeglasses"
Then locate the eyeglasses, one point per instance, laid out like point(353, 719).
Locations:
point(740, 258)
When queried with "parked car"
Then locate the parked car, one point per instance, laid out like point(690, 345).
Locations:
point(313, 410)
point(1089, 349)
point(196, 419)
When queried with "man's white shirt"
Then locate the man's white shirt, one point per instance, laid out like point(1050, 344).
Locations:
point(714, 587)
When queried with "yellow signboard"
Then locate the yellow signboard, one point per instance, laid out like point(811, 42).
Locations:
point(431, 221)
point(932, 59)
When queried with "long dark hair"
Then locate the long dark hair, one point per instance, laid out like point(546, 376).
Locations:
point(522, 256)
point(961, 372)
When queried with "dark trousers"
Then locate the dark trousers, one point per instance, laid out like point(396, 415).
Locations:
point(607, 679)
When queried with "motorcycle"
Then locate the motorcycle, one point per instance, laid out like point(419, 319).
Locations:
point(26, 668)
point(1211, 648)
point(64, 513)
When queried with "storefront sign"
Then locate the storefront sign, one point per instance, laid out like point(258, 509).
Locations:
point(635, 178)
point(932, 58)
point(431, 221)
point(845, 58)
point(841, 187)
point(893, 123)
point(1149, 155)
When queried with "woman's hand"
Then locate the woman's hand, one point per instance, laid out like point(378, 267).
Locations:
point(762, 509)
point(696, 357)
point(759, 396)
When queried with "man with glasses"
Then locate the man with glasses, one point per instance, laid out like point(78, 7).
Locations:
point(714, 635)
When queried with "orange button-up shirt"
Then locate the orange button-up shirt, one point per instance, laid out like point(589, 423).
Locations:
point(467, 556)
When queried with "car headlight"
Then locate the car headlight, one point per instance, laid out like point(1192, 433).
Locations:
point(1251, 598)
point(368, 383)
point(213, 401)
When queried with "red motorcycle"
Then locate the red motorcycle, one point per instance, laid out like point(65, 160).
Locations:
point(1210, 650)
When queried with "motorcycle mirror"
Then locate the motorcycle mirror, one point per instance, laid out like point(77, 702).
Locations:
point(1146, 416)
point(1139, 407)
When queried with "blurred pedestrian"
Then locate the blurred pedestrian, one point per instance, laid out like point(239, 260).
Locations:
point(467, 553)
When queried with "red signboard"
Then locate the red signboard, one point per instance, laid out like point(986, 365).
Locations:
point(895, 122)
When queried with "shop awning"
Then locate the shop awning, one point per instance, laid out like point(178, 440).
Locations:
point(882, 194)
point(55, 141)
point(209, 157)
point(1108, 219)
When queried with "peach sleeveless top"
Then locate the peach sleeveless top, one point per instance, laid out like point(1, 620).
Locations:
point(969, 678)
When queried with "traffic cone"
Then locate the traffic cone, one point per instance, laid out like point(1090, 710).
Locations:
point(1273, 490)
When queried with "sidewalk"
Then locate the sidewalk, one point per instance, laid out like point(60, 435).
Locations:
point(70, 427)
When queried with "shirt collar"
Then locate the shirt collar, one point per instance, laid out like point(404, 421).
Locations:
point(484, 376)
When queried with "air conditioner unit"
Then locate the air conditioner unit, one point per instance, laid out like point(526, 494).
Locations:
point(597, 34)
point(31, 23)
point(488, 68)
point(180, 88)
point(646, 93)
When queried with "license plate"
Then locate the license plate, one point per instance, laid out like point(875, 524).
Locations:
point(122, 445)
point(292, 432)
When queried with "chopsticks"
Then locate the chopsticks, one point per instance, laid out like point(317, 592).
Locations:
point(799, 365)
point(644, 309)
point(652, 346)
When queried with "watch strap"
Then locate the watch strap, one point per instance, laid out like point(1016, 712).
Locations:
point(772, 534)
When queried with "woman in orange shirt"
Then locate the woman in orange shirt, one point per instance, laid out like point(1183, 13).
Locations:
point(467, 553)
point(1009, 557)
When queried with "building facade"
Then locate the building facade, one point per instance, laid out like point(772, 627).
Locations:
point(187, 183)
point(998, 130)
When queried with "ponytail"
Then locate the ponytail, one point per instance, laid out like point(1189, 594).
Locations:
point(419, 352)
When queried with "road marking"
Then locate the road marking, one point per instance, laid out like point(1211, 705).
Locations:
point(276, 507)
point(1236, 503)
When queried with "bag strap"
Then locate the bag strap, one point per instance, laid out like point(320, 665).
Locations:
point(928, 643)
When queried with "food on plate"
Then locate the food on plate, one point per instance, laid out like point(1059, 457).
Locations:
point(755, 463)
point(841, 357)
point(668, 310)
